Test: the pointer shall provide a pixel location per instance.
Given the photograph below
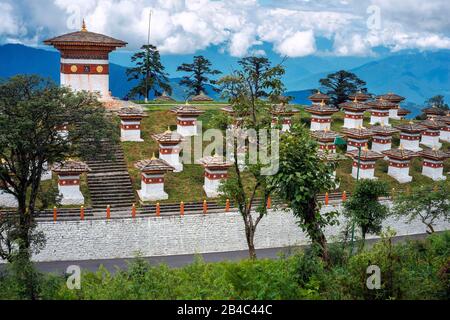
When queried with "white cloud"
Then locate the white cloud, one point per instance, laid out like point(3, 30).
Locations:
point(185, 26)
point(9, 24)
point(301, 43)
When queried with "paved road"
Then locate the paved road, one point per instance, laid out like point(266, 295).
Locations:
point(113, 265)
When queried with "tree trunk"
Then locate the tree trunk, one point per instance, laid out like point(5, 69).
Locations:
point(25, 270)
point(315, 231)
point(250, 236)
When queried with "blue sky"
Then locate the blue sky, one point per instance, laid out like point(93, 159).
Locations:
point(292, 28)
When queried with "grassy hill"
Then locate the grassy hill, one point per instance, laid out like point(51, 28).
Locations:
point(187, 185)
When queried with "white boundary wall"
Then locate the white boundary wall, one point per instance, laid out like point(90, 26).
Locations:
point(175, 235)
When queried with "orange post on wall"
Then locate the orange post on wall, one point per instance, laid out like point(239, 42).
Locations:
point(182, 208)
point(108, 212)
point(344, 196)
point(82, 213)
point(133, 211)
point(227, 206)
point(55, 214)
point(269, 202)
point(327, 198)
point(205, 207)
point(158, 210)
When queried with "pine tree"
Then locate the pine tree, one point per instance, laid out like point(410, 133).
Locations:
point(199, 71)
point(149, 72)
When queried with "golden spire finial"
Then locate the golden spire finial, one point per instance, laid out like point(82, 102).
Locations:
point(366, 147)
point(168, 130)
point(401, 146)
point(83, 26)
point(355, 100)
point(153, 156)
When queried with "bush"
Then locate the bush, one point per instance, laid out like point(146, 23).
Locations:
point(409, 270)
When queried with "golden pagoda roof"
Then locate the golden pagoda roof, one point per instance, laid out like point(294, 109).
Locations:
point(153, 165)
point(325, 135)
point(360, 132)
point(412, 127)
point(168, 136)
point(400, 153)
point(366, 154)
point(187, 109)
point(433, 124)
point(215, 161)
point(321, 108)
point(434, 154)
point(318, 97)
point(201, 97)
point(383, 130)
point(359, 96)
point(84, 37)
point(70, 166)
point(391, 97)
point(381, 104)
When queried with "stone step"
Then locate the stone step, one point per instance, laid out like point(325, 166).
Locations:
point(124, 185)
point(108, 177)
point(109, 181)
point(107, 197)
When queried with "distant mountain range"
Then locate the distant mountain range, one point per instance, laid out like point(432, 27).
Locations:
point(415, 75)
point(18, 59)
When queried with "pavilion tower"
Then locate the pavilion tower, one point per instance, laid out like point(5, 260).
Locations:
point(380, 111)
point(410, 135)
point(85, 60)
point(394, 99)
point(365, 161)
point(357, 138)
point(399, 163)
point(321, 116)
point(354, 113)
point(382, 137)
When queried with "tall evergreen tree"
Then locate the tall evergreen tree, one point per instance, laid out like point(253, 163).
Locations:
point(199, 71)
point(341, 84)
point(437, 101)
point(149, 72)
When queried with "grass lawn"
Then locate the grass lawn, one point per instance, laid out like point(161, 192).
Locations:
point(188, 185)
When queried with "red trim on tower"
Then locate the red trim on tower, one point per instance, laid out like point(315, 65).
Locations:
point(152, 180)
point(216, 176)
point(169, 150)
point(321, 120)
point(69, 182)
point(71, 68)
point(186, 123)
point(130, 126)
point(380, 114)
point(415, 137)
point(364, 166)
point(432, 164)
point(399, 164)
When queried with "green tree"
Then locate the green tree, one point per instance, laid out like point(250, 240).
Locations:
point(341, 84)
point(149, 72)
point(425, 202)
point(31, 110)
point(364, 209)
point(199, 71)
point(300, 179)
point(250, 90)
point(437, 101)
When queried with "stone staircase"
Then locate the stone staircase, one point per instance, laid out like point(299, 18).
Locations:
point(109, 181)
